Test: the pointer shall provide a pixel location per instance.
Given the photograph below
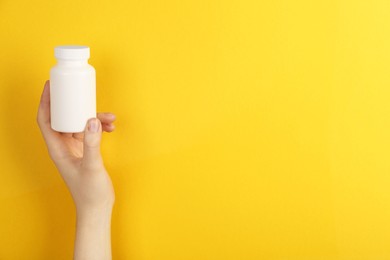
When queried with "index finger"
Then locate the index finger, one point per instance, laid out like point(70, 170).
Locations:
point(43, 118)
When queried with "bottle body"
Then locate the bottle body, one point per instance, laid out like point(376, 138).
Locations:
point(72, 95)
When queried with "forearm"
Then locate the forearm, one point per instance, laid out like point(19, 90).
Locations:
point(93, 235)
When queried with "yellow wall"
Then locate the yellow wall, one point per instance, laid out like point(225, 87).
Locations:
point(246, 129)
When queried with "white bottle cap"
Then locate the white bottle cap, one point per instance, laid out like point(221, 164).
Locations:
point(71, 52)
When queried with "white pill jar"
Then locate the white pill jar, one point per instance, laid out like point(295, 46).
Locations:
point(72, 89)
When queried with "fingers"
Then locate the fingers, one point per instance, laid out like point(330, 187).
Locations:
point(107, 120)
point(108, 127)
point(106, 117)
point(92, 136)
point(43, 118)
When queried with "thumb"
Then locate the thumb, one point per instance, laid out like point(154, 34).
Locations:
point(92, 136)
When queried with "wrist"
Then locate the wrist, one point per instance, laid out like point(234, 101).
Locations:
point(94, 215)
point(94, 205)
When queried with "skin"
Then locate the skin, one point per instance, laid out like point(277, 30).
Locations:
point(78, 159)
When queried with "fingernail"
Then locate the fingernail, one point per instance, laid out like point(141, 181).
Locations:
point(93, 125)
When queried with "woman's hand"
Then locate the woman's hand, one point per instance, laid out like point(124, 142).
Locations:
point(78, 159)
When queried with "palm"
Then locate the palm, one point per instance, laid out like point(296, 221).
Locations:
point(73, 145)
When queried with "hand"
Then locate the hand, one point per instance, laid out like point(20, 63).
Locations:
point(78, 159)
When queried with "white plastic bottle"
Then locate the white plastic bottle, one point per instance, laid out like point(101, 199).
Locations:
point(72, 89)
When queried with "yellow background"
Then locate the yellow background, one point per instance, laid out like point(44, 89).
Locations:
point(246, 129)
